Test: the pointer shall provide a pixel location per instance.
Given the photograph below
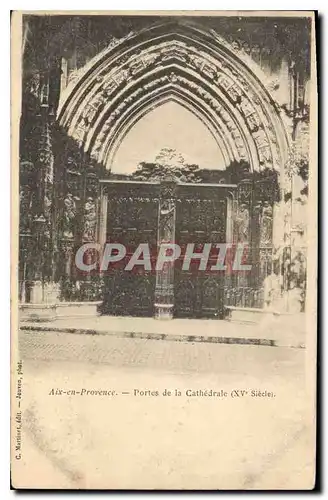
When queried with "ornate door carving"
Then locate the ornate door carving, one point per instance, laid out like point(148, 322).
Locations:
point(132, 217)
point(200, 219)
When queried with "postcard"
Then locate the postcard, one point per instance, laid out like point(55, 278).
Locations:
point(164, 250)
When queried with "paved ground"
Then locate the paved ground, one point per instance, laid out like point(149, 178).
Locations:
point(161, 355)
point(136, 437)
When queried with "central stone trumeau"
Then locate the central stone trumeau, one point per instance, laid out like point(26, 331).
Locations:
point(164, 290)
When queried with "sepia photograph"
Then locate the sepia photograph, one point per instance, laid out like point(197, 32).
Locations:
point(164, 250)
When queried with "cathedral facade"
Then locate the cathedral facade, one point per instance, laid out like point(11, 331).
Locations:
point(86, 81)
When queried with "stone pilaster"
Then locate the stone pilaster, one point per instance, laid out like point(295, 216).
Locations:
point(102, 227)
point(37, 184)
point(231, 214)
point(243, 225)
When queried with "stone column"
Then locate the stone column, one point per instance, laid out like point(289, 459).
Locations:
point(164, 291)
point(230, 226)
point(41, 261)
point(102, 227)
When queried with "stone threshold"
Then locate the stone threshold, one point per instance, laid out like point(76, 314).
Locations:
point(175, 337)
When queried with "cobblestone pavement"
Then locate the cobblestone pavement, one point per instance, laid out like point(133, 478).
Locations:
point(138, 437)
point(163, 355)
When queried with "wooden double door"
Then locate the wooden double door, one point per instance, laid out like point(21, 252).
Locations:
point(133, 219)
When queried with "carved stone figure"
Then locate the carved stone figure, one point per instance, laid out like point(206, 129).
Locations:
point(166, 222)
point(69, 215)
point(266, 225)
point(90, 219)
point(242, 224)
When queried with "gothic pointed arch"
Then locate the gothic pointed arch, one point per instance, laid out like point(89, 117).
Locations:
point(179, 61)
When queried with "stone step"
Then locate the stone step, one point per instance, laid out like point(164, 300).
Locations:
point(51, 312)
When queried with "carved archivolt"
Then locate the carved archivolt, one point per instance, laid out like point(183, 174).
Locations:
point(228, 95)
point(178, 88)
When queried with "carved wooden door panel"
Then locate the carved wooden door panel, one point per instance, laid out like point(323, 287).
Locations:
point(200, 219)
point(131, 220)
